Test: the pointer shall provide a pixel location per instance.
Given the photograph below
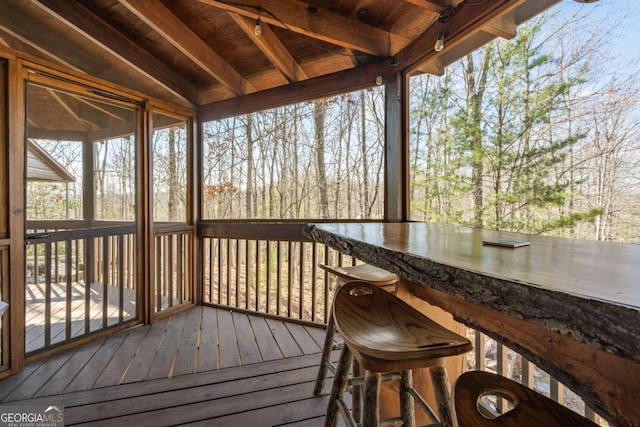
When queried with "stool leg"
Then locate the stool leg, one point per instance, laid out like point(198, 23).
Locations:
point(356, 393)
point(370, 413)
point(326, 355)
point(339, 385)
point(407, 409)
point(442, 392)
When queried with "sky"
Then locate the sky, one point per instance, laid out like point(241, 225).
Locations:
point(621, 18)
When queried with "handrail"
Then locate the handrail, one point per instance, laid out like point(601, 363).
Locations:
point(81, 233)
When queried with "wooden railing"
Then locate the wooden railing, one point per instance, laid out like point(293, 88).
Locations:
point(271, 268)
point(79, 281)
point(173, 266)
point(490, 355)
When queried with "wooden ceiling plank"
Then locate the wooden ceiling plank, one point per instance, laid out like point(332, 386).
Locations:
point(431, 5)
point(323, 25)
point(93, 28)
point(272, 48)
point(176, 32)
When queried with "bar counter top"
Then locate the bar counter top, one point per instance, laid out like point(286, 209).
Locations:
point(570, 306)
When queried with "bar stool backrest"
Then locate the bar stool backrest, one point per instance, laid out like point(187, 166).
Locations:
point(528, 407)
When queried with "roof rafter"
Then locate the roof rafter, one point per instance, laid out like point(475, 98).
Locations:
point(464, 23)
point(272, 48)
point(93, 28)
point(85, 123)
point(176, 32)
point(320, 24)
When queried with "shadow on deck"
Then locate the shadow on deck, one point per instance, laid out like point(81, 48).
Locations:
point(207, 366)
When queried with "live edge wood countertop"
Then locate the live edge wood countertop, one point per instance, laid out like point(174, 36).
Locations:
point(570, 306)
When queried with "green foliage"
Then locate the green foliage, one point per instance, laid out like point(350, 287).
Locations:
point(501, 140)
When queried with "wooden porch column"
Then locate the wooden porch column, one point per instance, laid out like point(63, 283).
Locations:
point(397, 210)
point(396, 189)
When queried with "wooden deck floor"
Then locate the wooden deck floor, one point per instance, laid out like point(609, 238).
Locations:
point(206, 366)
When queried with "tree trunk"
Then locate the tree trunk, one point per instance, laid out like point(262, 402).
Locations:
point(249, 190)
point(476, 85)
point(319, 116)
point(173, 178)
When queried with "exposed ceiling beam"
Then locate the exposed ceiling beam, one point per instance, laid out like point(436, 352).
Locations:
point(3, 42)
point(320, 24)
point(272, 48)
point(176, 32)
point(435, 67)
point(467, 20)
point(504, 27)
point(37, 47)
point(56, 135)
point(93, 28)
point(314, 88)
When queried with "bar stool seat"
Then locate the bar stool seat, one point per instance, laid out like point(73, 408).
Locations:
point(529, 408)
point(364, 272)
point(384, 334)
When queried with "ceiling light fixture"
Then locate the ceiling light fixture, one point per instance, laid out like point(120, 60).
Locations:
point(445, 15)
point(439, 42)
point(257, 30)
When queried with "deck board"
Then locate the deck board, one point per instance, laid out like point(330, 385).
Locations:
point(117, 366)
point(247, 345)
point(139, 366)
point(264, 338)
point(227, 343)
point(187, 352)
point(306, 342)
point(208, 350)
point(67, 372)
point(163, 363)
point(286, 342)
point(39, 377)
point(8, 385)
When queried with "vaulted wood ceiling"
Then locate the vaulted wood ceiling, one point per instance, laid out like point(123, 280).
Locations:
point(205, 53)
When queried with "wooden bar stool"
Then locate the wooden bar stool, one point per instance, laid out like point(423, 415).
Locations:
point(367, 273)
point(386, 335)
point(527, 407)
